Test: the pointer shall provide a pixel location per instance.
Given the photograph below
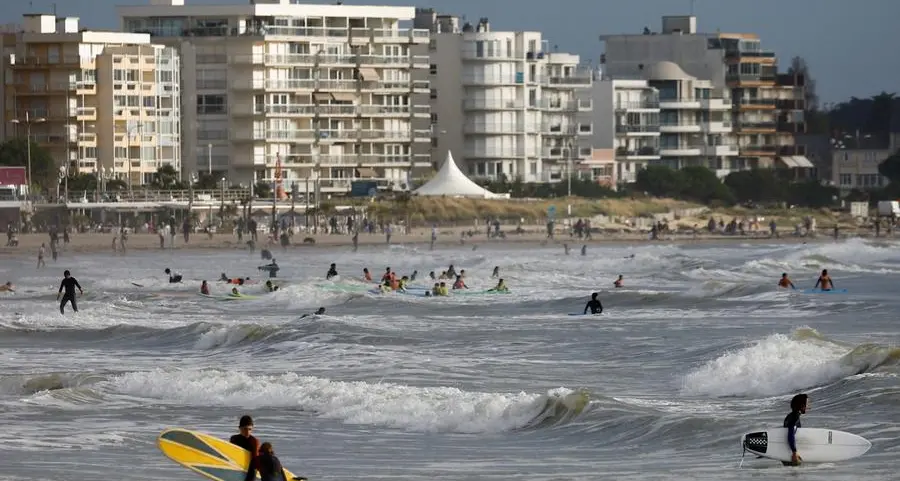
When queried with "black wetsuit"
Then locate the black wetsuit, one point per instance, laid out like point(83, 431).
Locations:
point(270, 468)
point(331, 273)
point(250, 443)
point(69, 284)
point(595, 306)
point(174, 278)
point(792, 423)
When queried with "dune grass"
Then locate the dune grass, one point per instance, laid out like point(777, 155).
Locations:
point(421, 210)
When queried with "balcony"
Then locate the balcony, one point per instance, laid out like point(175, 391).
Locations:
point(493, 154)
point(790, 104)
point(553, 152)
point(498, 80)
point(746, 54)
point(750, 78)
point(720, 150)
point(755, 103)
point(578, 80)
point(560, 105)
point(638, 129)
point(86, 113)
point(684, 126)
point(492, 104)
point(758, 149)
point(498, 128)
point(755, 126)
point(680, 150)
point(641, 153)
point(470, 54)
point(716, 127)
point(715, 103)
point(649, 104)
point(552, 130)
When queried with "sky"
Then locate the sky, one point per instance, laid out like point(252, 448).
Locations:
point(850, 47)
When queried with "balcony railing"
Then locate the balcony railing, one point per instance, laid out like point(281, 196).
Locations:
point(574, 80)
point(755, 125)
point(366, 160)
point(324, 135)
point(771, 149)
point(492, 104)
point(630, 129)
point(762, 77)
point(637, 104)
point(311, 59)
point(374, 34)
point(647, 151)
point(764, 102)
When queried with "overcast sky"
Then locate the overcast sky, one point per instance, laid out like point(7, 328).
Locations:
point(852, 47)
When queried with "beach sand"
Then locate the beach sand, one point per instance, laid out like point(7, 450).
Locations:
point(535, 236)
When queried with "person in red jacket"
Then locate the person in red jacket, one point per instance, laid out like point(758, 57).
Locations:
point(247, 441)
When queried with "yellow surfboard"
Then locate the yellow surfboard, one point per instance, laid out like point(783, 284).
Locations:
point(208, 456)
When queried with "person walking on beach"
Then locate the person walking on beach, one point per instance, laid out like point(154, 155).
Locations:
point(68, 284)
point(41, 252)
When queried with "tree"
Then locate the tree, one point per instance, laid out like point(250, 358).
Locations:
point(207, 182)
point(660, 181)
point(702, 185)
point(166, 177)
point(757, 185)
point(14, 153)
point(82, 182)
point(890, 168)
point(262, 190)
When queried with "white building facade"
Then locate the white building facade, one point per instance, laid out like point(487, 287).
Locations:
point(331, 94)
point(504, 104)
point(626, 119)
point(694, 121)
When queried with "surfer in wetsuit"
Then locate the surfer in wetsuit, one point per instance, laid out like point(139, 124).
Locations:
point(332, 272)
point(270, 468)
point(249, 442)
point(594, 305)
point(500, 287)
point(320, 311)
point(825, 281)
point(784, 282)
point(68, 283)
point(799, 405)
point(174, 277)
point(496, 272)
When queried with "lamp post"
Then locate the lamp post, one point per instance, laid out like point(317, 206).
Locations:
point(569, 176)
point(222, 207)
point(209, 159)
point(28, 121)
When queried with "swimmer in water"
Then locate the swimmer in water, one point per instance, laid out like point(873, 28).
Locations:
point(204, 288)
point(8, 287)
point(496, 272)
point(332, 272)
point(620, 282)
point(366, 275)
point(594, 305)
point(824, 281)
point(784, 282)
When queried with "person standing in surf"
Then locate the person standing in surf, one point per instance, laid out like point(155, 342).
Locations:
point(785, 282)
point(825, 281)
point(68, 283)
point(594, 305)
point(799, 405)
point(246, 440)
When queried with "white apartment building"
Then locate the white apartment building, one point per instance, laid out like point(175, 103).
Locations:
point(767, 107)
point(331, 93)
point(625, 119)
point(504, 103)
point(105, 103)
point(694, 121)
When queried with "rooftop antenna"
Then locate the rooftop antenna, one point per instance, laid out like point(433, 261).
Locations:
point(54, 9)
point(692, 7)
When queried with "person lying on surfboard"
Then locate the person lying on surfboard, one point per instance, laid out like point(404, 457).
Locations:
point(784, 282)
point(825, 281)
point(249, 442)
point(799, 405)
point(8, 287)
point(594, 305)
point(501, 287)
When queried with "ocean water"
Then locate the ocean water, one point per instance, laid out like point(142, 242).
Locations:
point(697, 349)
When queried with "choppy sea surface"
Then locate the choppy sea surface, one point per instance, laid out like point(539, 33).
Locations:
point(697, 349)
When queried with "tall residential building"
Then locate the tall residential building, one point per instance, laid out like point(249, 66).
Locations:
point(694, 120)
point(504, 103)
point(331, 93)
point(106, 103)
point(626, 119)
point(767, 108)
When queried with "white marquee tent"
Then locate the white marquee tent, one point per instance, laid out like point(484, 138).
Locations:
point(451, 182)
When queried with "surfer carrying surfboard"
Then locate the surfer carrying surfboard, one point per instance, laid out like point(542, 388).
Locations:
point(246, 440)
point(799, 405)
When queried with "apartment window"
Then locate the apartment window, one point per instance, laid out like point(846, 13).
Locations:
point(131, 76)
point(532, 46)
point(211, 104)
point(434, 142)
point(433, 69)
point(120, 153)
point(434, 119)
point(149, 102)
point(133, 101)
point(479, 48)
point(88, 152)
point(164, 76)
point(434, 93)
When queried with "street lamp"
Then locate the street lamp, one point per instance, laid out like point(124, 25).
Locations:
point(140, 152)
point(209, 159)
point(28, 121)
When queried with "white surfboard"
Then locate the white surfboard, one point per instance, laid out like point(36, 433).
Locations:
point(814, 445)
